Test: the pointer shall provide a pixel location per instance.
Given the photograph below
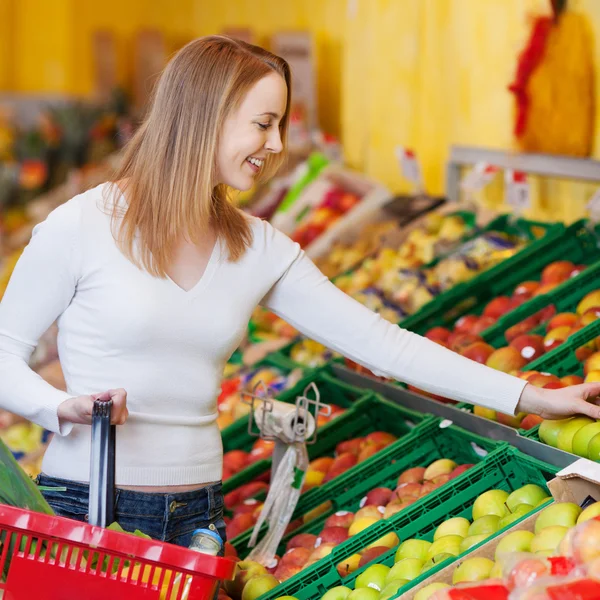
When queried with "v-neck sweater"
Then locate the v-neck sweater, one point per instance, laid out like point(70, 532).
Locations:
point(120, 327)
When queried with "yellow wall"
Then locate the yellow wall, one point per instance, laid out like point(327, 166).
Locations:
point(424, 73)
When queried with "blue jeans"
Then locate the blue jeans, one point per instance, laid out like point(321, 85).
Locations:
point(165, 517)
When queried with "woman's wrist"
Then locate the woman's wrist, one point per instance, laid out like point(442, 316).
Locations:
point(530, 400)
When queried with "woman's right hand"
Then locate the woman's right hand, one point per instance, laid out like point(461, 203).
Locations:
point(79, 410)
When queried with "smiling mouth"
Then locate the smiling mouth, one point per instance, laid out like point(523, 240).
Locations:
point(255, 163)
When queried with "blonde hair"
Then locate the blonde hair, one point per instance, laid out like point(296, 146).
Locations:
point(169, 166)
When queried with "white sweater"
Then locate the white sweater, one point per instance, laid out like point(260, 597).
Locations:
point(121, 327)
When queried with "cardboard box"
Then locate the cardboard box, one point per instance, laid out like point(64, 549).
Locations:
point(578, 483)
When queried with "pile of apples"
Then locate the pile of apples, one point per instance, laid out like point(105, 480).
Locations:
point(335, 204)
point(491, 511)
point(552, 275)
point(563, 549)
point(242, 501)
point(380, 503)
point(577, 435)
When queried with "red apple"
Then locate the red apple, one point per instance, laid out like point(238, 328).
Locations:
point(342, 518)
point(526, 289)
point(506, 359)
point(349, 446)
point(235, 460)
point(438, 334)
point(497, 307)
point(371, 554)
point(247, 506)
point(557, 272)
point(572, 380)
point(562, 319)
point(369, 449)
point(332, 535)
point(530, 421)
point(296, 556)
point(381, 437)
point(377, 497)
point(529, 345)
point(285, 572)
point(414, 475)
point(252, 489)
point(340, 465)
point(483, 324)
point(464, 324)
point(460, 470)
point(302, 540)
point(479, 352)
point(322, 464)
point(405, 490)
point(520, 328)
point(239, 524)
point(462, 341)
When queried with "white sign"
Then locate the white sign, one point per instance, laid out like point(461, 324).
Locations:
point(593, 206)
point(409, 166)
point(479, 177)
point(517, 190)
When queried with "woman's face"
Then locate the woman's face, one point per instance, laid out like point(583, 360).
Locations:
point(251, 133)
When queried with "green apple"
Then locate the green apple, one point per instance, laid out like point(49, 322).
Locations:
point(455, 526)
point(244, 571)
point(487, 524)
point(436, 560)
point(429, 590)
point(364, 594)
point(593, 452)
point(520, 511)
point(559, 513)
point(413, 549)
point(592, 511)
point(340, 592)
point(528, 494)
point(548, 538)
point(568, 431)
point(407, 568)
point(492, 502)
point(549, 430)
point(259, 585)
point(497, 571)
point(515, 541)
point(581, 440)
point(391, 589)
point(373, 577)
point(449, 544)
point(473, 569)
point(473, 540)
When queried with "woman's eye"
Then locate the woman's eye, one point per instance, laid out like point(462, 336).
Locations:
point(264, 126)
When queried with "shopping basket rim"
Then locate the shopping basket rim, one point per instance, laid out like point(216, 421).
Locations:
point(114, 542)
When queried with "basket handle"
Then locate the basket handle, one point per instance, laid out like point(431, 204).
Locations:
point(102, 467)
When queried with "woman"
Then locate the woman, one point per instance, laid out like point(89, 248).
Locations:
point(153, 279)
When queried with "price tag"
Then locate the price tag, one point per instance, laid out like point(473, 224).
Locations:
point(410, 166)
point(517, 190)
point(478, 177)
point(593, 207)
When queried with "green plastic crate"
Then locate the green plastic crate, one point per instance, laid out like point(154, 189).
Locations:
point(332, 391)
point(451, 302)
point(370, 413)
point(425, 444)
point(577, 244)
point(506, 468)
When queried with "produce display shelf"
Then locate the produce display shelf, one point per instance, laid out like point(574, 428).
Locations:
point(578, 244)
point(428, 442)
point(370, 413)
point(542, 237)
point(506, 468)
point(331, 390)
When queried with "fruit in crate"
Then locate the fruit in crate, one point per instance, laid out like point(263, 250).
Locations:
point(309, 353)
point(335, 204)
point(531, 347)
point(435, 236)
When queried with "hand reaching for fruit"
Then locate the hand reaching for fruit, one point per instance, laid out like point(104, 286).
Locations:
point(79, 410)
point(559, 403)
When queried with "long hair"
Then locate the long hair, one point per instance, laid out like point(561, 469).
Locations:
point(168, 169)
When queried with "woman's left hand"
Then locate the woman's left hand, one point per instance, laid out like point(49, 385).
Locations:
point(561, 403)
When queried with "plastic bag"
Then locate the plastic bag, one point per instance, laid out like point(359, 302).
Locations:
point(16, 488)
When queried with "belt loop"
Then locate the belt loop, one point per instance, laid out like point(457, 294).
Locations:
point(211, 499)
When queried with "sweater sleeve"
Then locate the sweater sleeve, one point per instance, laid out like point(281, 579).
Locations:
point(40, 289)
point(306, 299)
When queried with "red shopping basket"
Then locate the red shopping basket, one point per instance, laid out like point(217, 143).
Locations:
point(52, 558)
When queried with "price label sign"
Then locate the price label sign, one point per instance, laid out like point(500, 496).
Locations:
point(479, 177)
point(517, 190)
point(593, 207)
point(409, 166)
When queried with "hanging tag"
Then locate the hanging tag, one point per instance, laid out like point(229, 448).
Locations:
point(410, 167)
point(593, 207)
point(479, 177)
point(517, 190)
